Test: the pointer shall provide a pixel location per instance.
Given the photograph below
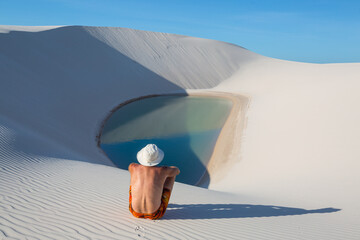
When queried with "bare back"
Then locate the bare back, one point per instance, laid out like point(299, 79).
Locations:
point(147, 184)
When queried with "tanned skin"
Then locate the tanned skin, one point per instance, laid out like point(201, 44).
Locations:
point(147, 184)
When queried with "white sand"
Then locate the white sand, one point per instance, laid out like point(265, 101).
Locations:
point(299, 149)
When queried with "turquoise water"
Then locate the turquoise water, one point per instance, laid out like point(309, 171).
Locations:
point(184, 127)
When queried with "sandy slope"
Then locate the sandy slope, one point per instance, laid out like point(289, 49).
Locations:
point(295, 176)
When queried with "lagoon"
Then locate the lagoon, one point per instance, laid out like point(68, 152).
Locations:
point(186, 128)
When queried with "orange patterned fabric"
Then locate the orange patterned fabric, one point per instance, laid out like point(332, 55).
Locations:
point(158, 213)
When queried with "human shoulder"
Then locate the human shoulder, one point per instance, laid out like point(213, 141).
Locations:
point(132, 166)
point(171, 170)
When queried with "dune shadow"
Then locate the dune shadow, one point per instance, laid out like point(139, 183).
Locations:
point(218, 211)
point(57, 82)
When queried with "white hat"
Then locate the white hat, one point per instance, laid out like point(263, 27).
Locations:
point(150, 155)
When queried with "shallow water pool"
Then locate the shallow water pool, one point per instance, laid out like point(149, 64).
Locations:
point(184, 127)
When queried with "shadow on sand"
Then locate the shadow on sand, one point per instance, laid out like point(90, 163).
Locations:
point(59, 81)
point(217, 211)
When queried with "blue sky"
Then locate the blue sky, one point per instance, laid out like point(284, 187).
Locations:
point(319, 31)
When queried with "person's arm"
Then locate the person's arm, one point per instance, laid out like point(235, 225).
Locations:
point(172, 171)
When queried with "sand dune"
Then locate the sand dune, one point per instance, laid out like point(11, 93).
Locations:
point(295, 174)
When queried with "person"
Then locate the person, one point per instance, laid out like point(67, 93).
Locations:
point(150, 185)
